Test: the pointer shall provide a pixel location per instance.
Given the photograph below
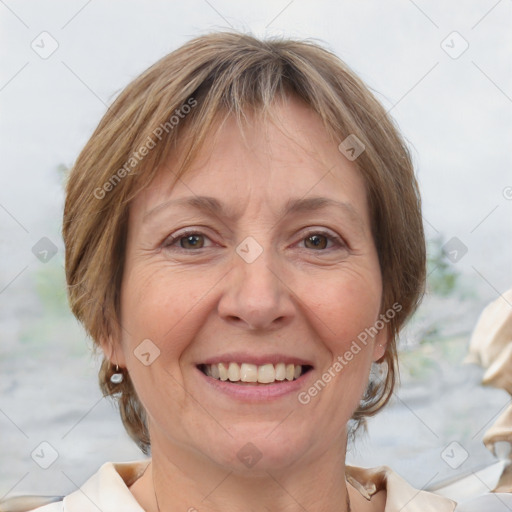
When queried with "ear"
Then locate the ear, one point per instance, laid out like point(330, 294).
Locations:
point(380, 344)
point(112, 350)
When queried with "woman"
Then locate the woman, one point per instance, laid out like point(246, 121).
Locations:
point(244, 241)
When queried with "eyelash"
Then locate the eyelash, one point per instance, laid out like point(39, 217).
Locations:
point(171, 240)
point(336, 240)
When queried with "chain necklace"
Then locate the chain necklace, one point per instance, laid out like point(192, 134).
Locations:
point(349, 509)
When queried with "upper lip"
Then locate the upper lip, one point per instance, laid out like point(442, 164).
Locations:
point(256, 359)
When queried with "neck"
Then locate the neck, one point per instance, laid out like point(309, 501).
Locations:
point(180, 479)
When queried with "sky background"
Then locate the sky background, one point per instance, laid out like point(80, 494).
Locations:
point(443, 70)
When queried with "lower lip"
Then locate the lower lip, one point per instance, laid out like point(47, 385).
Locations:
point(256, 393)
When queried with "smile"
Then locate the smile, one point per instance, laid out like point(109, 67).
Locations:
point(246, 373)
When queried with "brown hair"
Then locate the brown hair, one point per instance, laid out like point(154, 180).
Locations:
point(230, 74)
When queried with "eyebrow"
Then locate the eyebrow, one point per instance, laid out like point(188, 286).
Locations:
point(215, 207)
point(202, 203)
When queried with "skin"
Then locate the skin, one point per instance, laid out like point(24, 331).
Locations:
point(296, 298)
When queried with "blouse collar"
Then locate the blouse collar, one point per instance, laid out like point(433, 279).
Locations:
point(400, 496)
point(108, 490)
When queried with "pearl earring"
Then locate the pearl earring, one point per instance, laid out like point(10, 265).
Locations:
point(117, 377)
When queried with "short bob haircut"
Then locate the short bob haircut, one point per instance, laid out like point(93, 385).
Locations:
point(212, 76)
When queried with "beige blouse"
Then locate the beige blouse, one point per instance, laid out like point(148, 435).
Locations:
point(108, 491)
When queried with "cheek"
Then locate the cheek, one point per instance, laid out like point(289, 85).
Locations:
point(159, 304)
point(345, 309)
point(157, 308)
point(345, 305)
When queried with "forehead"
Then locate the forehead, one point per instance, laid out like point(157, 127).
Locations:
point(271, 159)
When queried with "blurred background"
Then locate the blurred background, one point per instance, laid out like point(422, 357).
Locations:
point(443, 71)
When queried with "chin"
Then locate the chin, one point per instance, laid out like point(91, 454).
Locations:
point(251, 451)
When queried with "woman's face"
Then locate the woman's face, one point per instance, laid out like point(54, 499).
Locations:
point(260, 259)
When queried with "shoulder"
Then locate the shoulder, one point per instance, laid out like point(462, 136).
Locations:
point(400, 495)
point(106, 490)
point(57, 506)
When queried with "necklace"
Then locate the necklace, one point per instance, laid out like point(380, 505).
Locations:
point(349, 508)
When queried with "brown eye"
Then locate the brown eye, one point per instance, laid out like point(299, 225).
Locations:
point(316, 241)
point(192, 241)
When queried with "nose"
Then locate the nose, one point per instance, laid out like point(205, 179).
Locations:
point(256, 296)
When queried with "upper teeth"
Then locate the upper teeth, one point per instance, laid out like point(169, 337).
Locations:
point(246, 372)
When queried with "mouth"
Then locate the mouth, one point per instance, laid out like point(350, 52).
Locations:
point(252, 374)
